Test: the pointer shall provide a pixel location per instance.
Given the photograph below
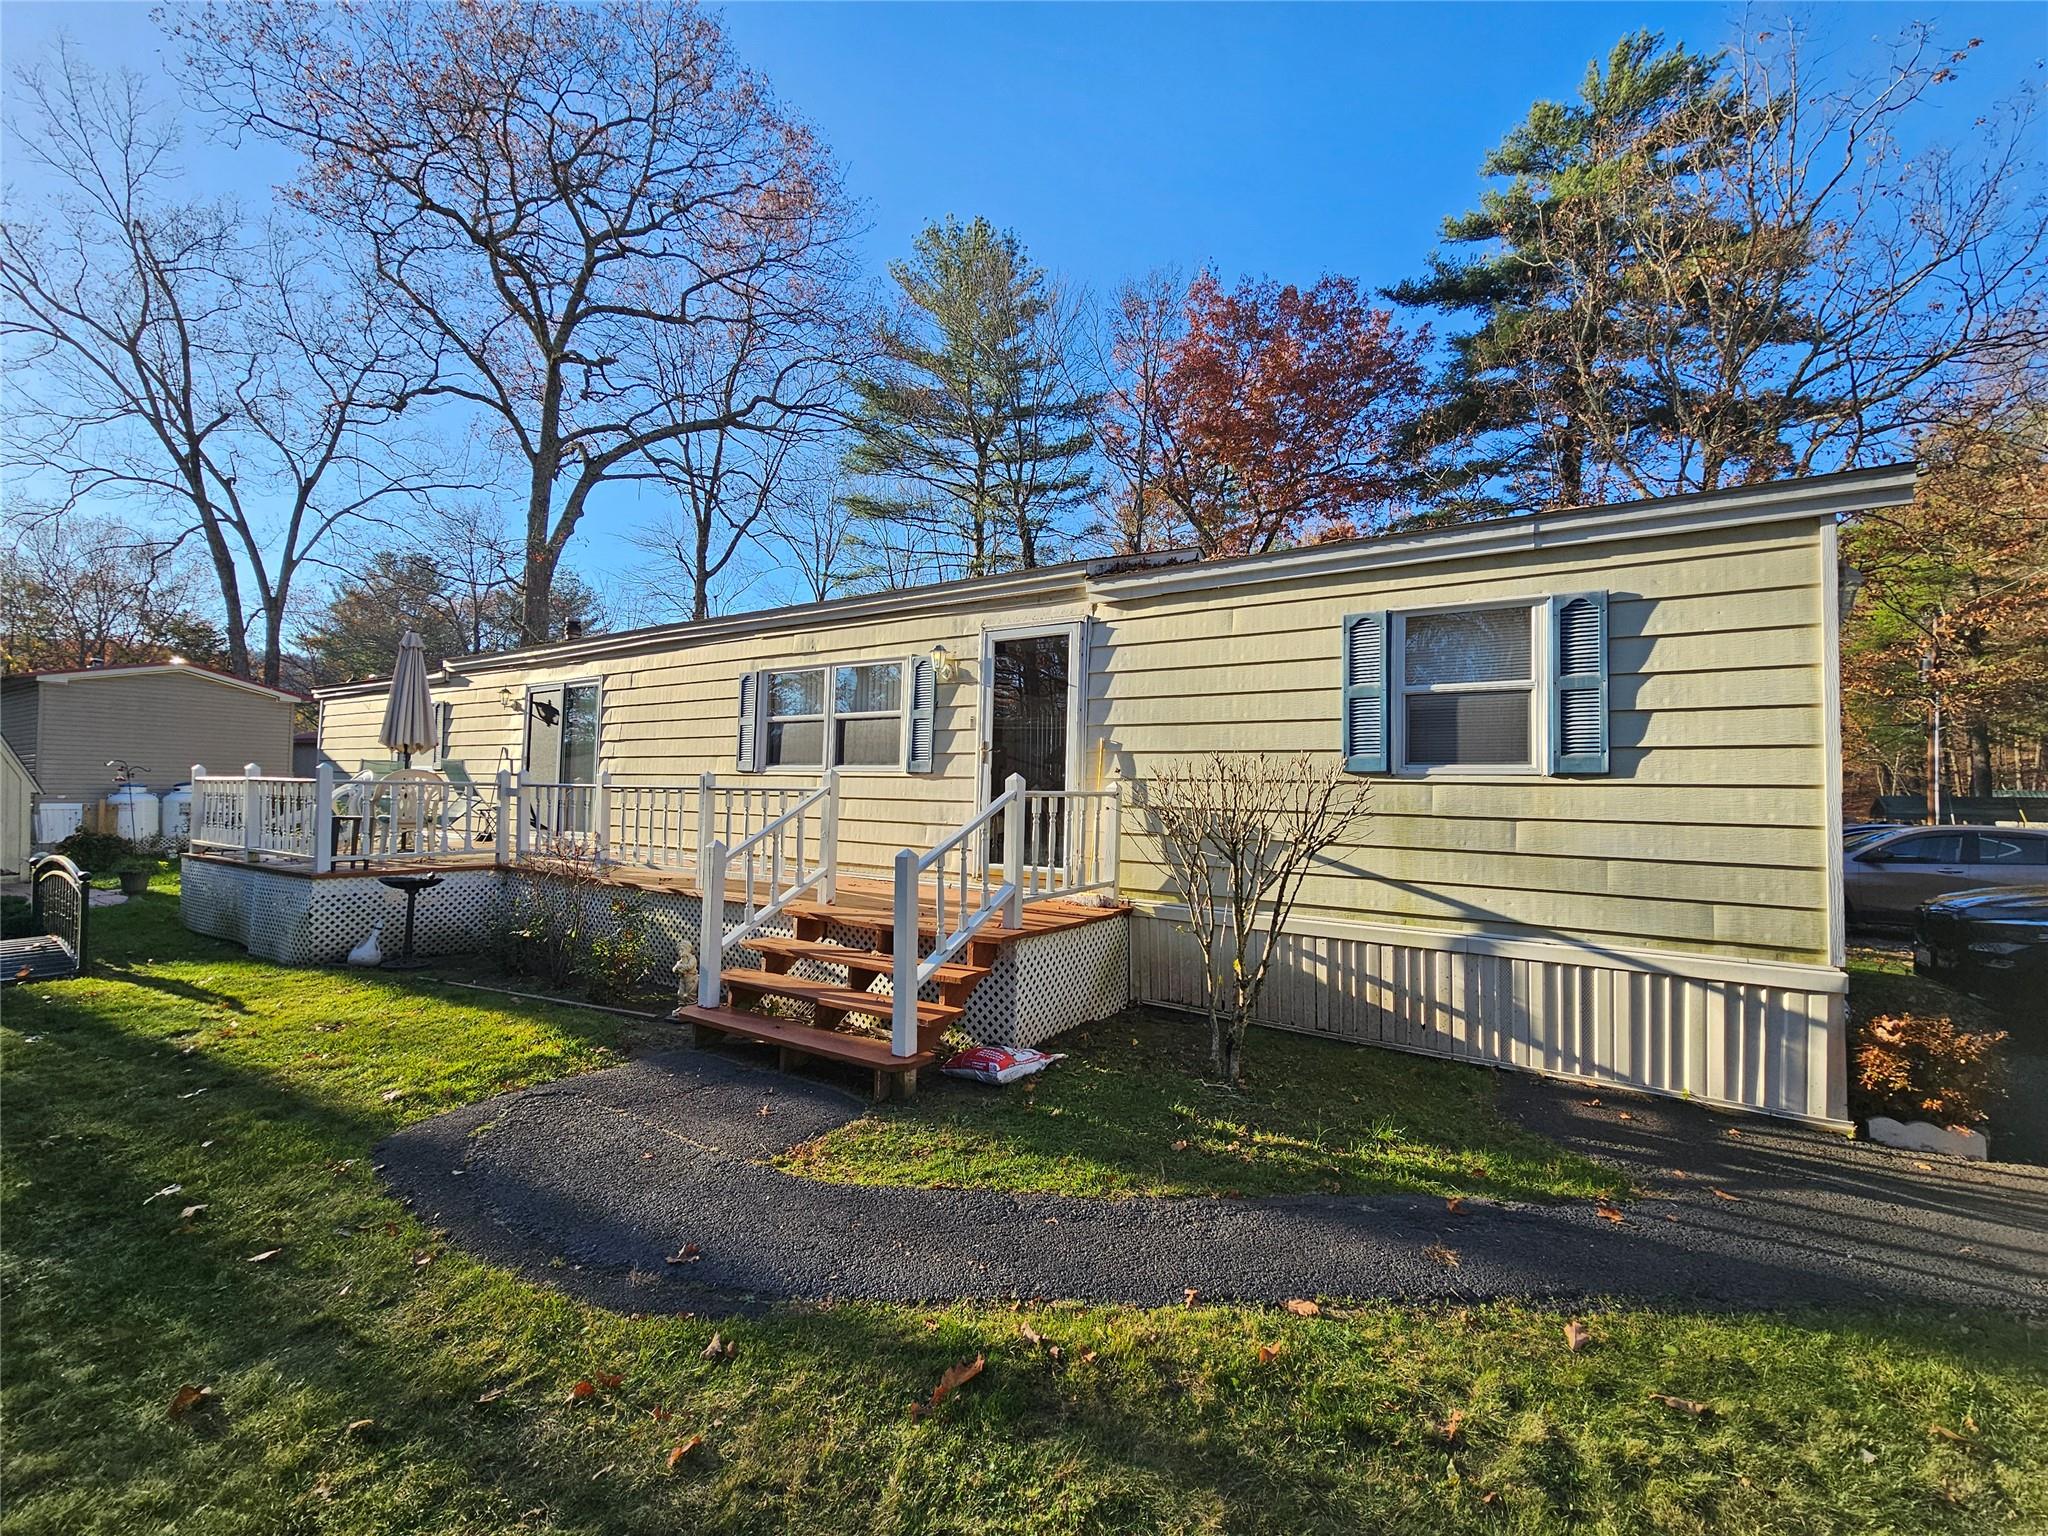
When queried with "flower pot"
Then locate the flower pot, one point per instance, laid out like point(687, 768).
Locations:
point(134, 882)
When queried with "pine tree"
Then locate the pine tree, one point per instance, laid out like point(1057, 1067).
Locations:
point(1554, 284)
point(970, 434)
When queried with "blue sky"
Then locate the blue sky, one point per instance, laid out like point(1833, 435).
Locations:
point(1288, 140)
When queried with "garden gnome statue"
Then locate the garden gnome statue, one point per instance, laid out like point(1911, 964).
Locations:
point(685, 970)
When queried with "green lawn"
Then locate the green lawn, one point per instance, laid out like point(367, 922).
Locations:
point(346, 1369)
point(1135, 1109)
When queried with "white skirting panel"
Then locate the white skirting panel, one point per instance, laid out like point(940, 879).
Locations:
point(1769, 1040)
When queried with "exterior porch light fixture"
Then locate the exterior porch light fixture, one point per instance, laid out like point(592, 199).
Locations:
point(945, 668)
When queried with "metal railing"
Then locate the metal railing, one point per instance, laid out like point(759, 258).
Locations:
point(792, 854)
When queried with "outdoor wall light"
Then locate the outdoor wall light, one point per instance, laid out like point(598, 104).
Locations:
point(944, 667)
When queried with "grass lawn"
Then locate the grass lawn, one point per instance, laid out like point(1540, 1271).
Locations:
point(366, 1378)
point(1136, 1109)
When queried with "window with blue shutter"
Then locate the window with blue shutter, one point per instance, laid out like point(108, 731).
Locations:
point(750, 698)
point(1365, 693)
point(1578, 689)
point(921, 700)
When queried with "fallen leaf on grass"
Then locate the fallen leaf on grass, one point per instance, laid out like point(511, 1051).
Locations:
point(265, 1256)
point(1943, 1432)
point(1031, 1335)
point(168, 1189)
point(1188, 1300)
point(190, 1211)
point(582, 1392)
point(1301, 1308)
point(1268, 1353)
point(659, 1415)
point(393, 1095)
point(1448, 1257)
point(1722, 1194)
point(189, 1397)
point(1453, 1426)
point(1180, 1146)
point(491, 1396)
point(954, 1378)
point(1087, 1357)
point(357, 1426)
point(1607, 1212)
point(1577, 1335)
point(1455, 1205)
point(683, 1450)
point(1682, 1404)
point(720, 1348)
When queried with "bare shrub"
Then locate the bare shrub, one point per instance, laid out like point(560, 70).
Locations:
point(565, 924)
point(1238, 833)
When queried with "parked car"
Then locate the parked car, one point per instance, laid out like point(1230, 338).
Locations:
point(1886, 878)
point(1859, 833)
point(1992, 941)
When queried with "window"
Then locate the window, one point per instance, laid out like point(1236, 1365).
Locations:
point(860, 716)
point(796, 719)
point(2011, 848)
point(1936, 848)
point(1467, 688)
point(867, 716)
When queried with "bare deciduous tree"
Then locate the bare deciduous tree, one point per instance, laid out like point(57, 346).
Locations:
point(1238, 833)
point(1134, 353)
point(79, 590)
point(244, 392)
point(547, 189)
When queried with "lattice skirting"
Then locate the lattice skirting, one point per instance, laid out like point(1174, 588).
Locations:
point(299, 921)
point(1038, 986)
point(1765, 1043)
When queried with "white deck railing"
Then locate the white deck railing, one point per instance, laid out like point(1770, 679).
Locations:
point(1072, 842)
point(254, 813)
point(792, 854)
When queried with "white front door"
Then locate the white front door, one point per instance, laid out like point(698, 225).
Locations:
point(1032, 684)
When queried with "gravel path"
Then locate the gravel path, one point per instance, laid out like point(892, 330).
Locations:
point(594, 1183)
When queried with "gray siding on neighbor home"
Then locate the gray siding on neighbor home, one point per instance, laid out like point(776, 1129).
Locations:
point(162, 722)
point(21, 718)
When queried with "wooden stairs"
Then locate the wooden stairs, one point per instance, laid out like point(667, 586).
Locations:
point(848, 1021)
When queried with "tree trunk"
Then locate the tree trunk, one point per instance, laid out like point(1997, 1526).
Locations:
point(1982, 780)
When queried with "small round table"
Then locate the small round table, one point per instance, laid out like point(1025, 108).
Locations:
point(412, 885)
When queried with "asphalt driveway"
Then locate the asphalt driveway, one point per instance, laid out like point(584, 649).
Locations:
point(597, 1183)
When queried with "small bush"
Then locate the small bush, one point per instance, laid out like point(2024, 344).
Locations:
point(17, 917)
point(101, 853)
point(564, 926)
point(1917, 1066)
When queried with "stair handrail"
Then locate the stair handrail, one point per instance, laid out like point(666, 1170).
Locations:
point(714, 937)
point(909, 972)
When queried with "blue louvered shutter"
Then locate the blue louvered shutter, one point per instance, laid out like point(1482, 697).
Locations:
point(750, 724)
point(920, 711)
point(1578, 689)
point(1365, 693)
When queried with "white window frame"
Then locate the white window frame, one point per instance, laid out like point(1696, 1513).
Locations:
point(1076, 632)
point(1399, 691)
point(830, 718)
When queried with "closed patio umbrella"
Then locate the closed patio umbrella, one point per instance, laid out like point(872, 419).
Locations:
point(409, 712)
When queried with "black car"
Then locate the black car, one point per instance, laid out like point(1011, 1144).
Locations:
point(1992, 941)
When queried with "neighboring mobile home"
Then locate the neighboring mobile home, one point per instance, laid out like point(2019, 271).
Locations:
point(1602, 746)
point(160, 718)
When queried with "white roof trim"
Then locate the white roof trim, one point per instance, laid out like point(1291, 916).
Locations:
point(1819, 496)
point(1823, 496)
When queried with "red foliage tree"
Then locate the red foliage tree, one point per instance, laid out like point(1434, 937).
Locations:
point(1278, 410)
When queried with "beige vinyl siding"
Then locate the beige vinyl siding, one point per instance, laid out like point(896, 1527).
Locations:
point(1707, 834)
point(670, 716)
point(163, 722)
point(17, 795)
